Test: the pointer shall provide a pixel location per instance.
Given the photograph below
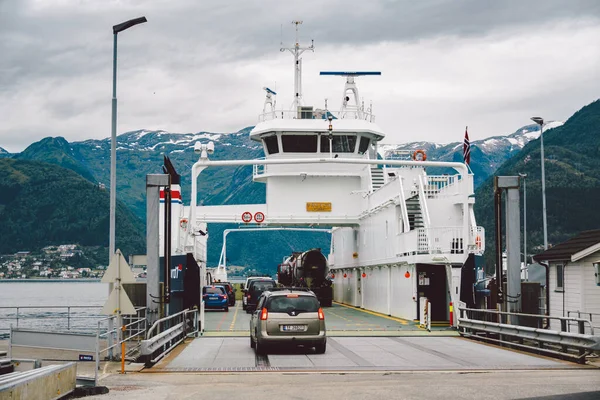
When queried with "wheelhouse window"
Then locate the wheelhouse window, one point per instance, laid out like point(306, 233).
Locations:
point(364, 145)
point(341, 143)
point(560, 277)
point(299, 143)
point(272, 144)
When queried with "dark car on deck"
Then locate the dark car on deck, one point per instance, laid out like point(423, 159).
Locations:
point(255, 288)
point(215, 297)
point(247, 285)
point(230, 291)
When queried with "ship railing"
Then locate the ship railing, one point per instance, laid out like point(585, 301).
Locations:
point(450, 240)
point(527, 332)
point(317, 113)
point(441, 186)
point(423, 203)
point(259, 169)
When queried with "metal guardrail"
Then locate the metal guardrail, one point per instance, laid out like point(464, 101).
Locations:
point(564, 344)
point(134, 329)
point(166, 333)
point(56, 317)
point(593, 317)
point(89, 341)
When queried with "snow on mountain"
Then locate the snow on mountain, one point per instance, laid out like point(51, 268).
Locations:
point(515, 141)
point(166, 142)
point(486, 155)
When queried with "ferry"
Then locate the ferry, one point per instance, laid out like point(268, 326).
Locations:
point(403, 230)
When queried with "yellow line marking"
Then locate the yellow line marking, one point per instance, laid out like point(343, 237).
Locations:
point(339, 316)
point(237, 307)
point(402, 321)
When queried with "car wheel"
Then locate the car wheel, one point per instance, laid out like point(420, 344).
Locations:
point(226, 309)
point(320, 348)
point(252, 344)
point(243, 307)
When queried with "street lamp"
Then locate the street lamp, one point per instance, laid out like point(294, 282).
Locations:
point(113, 170)
point(113, 138)
point(523, 176)
point(540, 122)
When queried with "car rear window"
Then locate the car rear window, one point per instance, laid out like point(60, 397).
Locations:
point(286, 304)
point(256, 286)
point(213, 290)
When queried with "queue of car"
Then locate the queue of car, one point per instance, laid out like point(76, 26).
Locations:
point(280, 316)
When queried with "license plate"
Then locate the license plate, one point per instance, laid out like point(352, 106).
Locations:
point(213, 298)
point(293, 328)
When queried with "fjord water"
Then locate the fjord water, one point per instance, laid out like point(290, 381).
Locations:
point(88, 296)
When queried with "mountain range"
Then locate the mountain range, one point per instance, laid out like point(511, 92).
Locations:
point(572, 169)
point(140, 153)
point(486, 155)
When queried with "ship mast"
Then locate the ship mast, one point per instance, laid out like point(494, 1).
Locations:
point(297, 52)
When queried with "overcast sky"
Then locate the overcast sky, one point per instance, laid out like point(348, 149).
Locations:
point(201, 65)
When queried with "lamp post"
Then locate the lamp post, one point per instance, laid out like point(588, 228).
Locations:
point(523, 176)
point(113, 173)
point(540, 122)
point(113, 137)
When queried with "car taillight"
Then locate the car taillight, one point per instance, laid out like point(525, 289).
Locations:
point(224, 296)
point(248, 296)
point(321, 315)
point(264, 314)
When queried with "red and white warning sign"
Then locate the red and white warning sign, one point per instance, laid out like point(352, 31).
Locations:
point(247, 217)
point(259, 217)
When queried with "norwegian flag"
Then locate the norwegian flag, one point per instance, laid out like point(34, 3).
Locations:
point(467, 148)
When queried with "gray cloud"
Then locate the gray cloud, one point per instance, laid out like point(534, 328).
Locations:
point(200, 65)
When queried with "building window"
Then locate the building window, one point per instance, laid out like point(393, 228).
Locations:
point(387, 229)
point(364, 145)
point(272, 144)
point(299, 143)
point(341, 143)
point(560, 277)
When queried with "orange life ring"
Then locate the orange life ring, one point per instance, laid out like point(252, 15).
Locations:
point(183, 223)
point(422, 153)
point(478, 242)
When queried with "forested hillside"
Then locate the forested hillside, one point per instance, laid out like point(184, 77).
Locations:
point(43, 204)
point(572, 182)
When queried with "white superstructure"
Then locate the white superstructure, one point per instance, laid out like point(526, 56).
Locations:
point(399, 234)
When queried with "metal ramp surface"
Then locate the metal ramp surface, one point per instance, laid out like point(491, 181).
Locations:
point(233, 354)
point(358, 340)
point(341, 320)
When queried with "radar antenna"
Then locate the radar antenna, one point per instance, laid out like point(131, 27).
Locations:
point(347, 107)
point(297, 52)
point(270, 101)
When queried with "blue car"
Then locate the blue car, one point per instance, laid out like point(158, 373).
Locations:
point(215, 297)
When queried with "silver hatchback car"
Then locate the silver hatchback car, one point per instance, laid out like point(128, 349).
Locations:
point(288, 317)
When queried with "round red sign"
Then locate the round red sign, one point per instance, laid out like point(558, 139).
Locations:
point(259, 217)
point(247, 217)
